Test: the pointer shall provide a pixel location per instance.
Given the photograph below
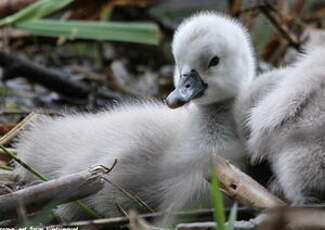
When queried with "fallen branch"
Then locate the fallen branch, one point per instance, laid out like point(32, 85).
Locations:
point(241, 187)
point(15, 66)
point(54, 192)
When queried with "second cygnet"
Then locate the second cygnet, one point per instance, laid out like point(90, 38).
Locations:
point(282, 118)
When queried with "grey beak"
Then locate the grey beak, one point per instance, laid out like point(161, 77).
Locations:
point(189, 86)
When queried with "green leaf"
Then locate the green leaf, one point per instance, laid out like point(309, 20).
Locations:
point(219, 214)
point(146, 33)
point(36, 10)
point(232, 217)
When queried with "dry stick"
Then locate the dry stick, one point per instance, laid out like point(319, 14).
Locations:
point(118, 221)
point(64, 189)
point(291, 38)
point(242, 187)
point(16, 66)
point(212, 225)
point(44, 178)
point(13, 132)
point(114, 222)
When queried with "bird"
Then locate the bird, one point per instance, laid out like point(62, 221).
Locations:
point(281, 119)
point(161, 150)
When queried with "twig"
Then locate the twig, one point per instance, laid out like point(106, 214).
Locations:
point(35, 172)
point(54, 192)
point(118, 221)
point(15, 66)
point(213, 225)
point(110, 223)
point(290, 37)
point(242, 187)
point(25, 112)
point(20, 126)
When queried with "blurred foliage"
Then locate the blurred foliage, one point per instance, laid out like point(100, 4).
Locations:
point(28, 19)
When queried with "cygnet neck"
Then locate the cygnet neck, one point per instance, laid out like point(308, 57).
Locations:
point(213, 120)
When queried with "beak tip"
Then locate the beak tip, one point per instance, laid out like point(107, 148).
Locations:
point(173, 103)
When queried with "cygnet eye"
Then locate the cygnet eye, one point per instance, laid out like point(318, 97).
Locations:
point(214, 61)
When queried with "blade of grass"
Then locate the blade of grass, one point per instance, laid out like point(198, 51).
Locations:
point(87, 209)
point(5, 168)
point(146, 33)
point(11, 154)
point(219, 214)
point(32, 170)
point(36, 10)
point(232, 217)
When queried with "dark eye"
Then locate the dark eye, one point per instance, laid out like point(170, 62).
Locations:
point(214, 61)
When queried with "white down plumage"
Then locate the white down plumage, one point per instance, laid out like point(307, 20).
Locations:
point(282, 116)
point(162, 153)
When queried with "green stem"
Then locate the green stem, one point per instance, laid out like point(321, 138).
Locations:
point(5, 168)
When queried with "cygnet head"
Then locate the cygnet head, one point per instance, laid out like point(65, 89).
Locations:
point(214, 60)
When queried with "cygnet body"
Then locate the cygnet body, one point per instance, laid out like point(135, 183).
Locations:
point(282, 117)
point(161, 153)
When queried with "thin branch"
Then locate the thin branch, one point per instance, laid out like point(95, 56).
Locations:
point(290, 37)
point(242, 187)
point(16, 66)
point(54, 192)
point(118, 221)
point(212, 225)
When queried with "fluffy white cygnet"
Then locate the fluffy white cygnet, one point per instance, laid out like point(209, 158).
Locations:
point(282, 117)
point(161, 153)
